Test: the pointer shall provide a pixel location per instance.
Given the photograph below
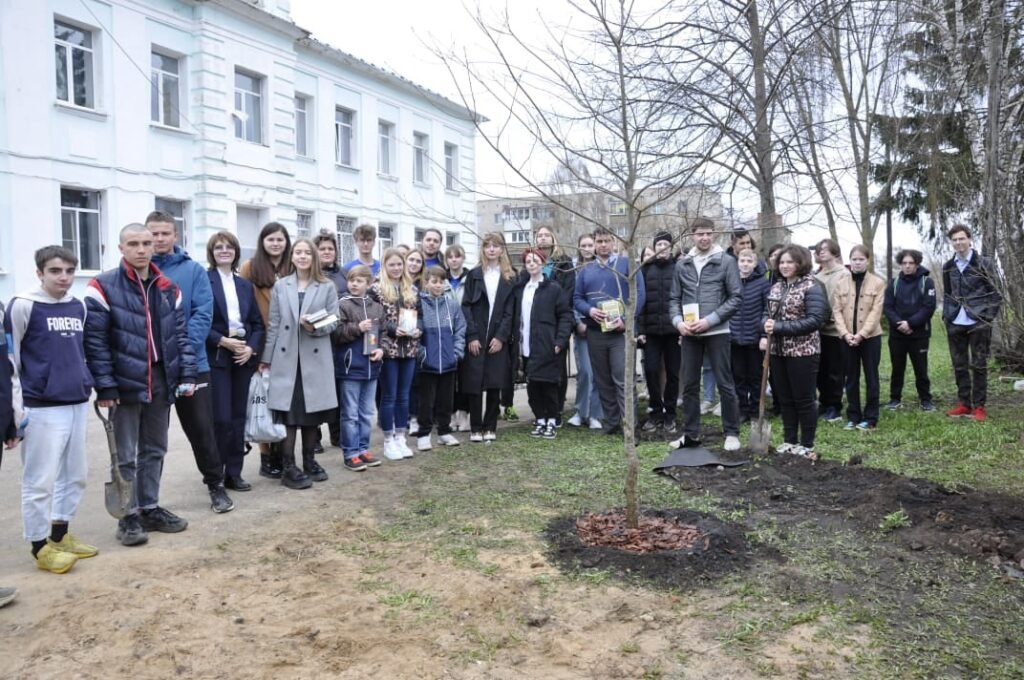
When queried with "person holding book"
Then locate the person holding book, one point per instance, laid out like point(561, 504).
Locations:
point(400, 341)
point(443, 345)
point(357, 361)
point(588, 403)
point(487, 307)
point(303, 312)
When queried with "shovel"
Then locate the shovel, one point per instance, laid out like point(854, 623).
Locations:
point(761, 432)
point(117, 493)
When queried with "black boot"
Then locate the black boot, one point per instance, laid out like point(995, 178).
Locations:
point(312, 468)
point(270, 463)
point(292, 476)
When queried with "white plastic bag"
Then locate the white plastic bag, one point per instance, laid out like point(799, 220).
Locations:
point(260, 427)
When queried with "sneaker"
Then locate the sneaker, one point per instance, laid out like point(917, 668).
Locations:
point(959, 411)
point(550, 431)
point(650, 426)
point(370, 459)
point(685, 442)
point(679, 402)
point(833, 416)
point(392, 451)
point(510, 414)
point(355, 464)
point(669, 427)
point(576, 420)
point(717, 410)
point(314, 470)
point(162, 520)
point(423, 443)
point(558, 421)
point(785, 447)
point(318, 448)
point(490, 436)
point(403, 447)
point(7, 595)
point(804, 452)
point(55, 561)
point(706, 407)
point(219, 500)
point(850, 425)
point(236, 483)
point(596, 424)
point(894, 405)
point(414, 424)
point(70, 544)
point(130, 531)
point(978, 413)
point(294, 478)
point(927, 405)
point(732, 443)
point(538, 429)
point(476, 437)
point(448, 440)
point(865, 425)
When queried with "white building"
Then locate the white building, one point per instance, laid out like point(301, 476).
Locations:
point(222, 112)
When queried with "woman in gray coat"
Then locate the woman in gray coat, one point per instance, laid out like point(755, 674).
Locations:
point(298, 355)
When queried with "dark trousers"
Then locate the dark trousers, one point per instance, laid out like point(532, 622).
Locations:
point(196, 416)
point(865, 356)
point(543, 397)
point(437, 392)
point(900, 347)
point(508, 387)
point(794, 385)
point(662, 351)
point(746, 374)
point(969, 349)
point(608, 362)
point(563, 382)
point(830, 374)
point(230, 392)
point(483, 419)
point(717, 350)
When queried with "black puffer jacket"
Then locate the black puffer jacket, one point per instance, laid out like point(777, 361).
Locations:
point(976, 289)
point(654, 318)
point(911, 299)
point(746, 327)
point(117, 346)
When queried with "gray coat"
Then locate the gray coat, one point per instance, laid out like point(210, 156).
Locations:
point(287, 341)
point(718, 290)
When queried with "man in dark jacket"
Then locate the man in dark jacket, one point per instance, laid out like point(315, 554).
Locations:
point(140, 357)
point(909, 305)
point(658, 337)
point(706, 292)
point(969, 307)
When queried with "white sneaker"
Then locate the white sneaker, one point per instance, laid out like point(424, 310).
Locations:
point(490, 437)
point(679, 402)
point(706, 407)
point(595, 424)
point(476, 437)
point(732, 443)
point(403, 447)
point(423, 443)
point(448, 440)
point(575, 421)
point(392, 451)
point(785, 447)
point(717, 410)
point(414, 425)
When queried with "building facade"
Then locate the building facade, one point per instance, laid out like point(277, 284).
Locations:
point(221, 112)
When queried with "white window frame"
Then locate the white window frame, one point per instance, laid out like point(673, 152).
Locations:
point(73, 241)
point(165, 86)
point(385, 237)
point(451, 166)
point(303, 128)
point(616, 207)
point(344, 225)
point(344, 130)
point(385, 148)
point(420, 157)
point(304, 223)
point(88, 53)
point(248, 113)
point(519, 236)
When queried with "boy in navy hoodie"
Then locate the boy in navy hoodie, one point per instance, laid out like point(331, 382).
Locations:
point(442, 346)
point(357, 361)
point(46, 327)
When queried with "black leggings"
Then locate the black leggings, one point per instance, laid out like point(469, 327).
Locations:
point(795, 382)
point(308, 441)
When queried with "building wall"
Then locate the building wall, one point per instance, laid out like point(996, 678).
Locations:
point(224, 183)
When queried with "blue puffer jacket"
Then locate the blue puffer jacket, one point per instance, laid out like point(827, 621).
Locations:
point(117, 340)
point(444, 334)
point(746, 327)
point(196, 298)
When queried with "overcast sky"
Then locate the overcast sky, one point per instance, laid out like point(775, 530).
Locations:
point(394, 34)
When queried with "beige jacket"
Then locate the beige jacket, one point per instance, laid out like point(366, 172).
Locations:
point(868, 305)
point(830, 279)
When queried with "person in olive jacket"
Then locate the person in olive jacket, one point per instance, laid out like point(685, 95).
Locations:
point(909, 305)
point(658, 337)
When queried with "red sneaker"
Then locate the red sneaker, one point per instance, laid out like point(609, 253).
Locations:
point(979, 413)
point(370, 459)
point(959, 411)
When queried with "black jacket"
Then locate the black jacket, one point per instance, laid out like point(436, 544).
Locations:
point(486, 371)
point(654, 318)
point(976, 289)
point(746, 326)
point(911, 299)
point(551, 324)
point(252, 321)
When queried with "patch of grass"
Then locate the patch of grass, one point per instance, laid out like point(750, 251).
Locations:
point(894, 520)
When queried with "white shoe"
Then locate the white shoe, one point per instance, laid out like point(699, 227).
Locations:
point(490, 436)
point(679, 402)
point(448, 440)
point(717, 410)
point(403, 447)
point(414, 425)
point(392, 451)
point(595, 424)
point(423, 443)
point(575, 421)
point(475, 437)
point(706, 407)
point(785, 447)
point(732, 443)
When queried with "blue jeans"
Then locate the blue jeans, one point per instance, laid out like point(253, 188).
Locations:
point(588, 405)
point(396, 384)
point(358, 397)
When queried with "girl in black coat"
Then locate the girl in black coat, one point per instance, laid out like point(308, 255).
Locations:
point(545, 324)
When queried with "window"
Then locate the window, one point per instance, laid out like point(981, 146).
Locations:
point(386, 150)
point(451, 166)
point(74, 61)
point(80, 226)
point(344, 226)
point(303, 224)
point(681, 207)
point(163, 105)
point(343, 136)
point(616, 208)
point(248, 223)
point(302, 126)
point(451, 238)
point(248, 107)
point(519, 236)
point(385, 237)
point(497, 218)
point(417, 236)
point(177, 209)
point(543, 213)
point(420, 157)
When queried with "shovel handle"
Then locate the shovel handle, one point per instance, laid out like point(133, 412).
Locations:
point(108, 421)
point(764, 380)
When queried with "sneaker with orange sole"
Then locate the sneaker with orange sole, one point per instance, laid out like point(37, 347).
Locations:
point(959, 411)
point(370, 459)
point(978, 413)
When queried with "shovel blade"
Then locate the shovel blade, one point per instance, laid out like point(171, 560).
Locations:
point(117, 496)
point(760, 436)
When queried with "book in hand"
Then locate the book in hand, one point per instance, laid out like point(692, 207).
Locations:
point(407, 320)
point(613, 310)
point(371, 339)
point(321, 319)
